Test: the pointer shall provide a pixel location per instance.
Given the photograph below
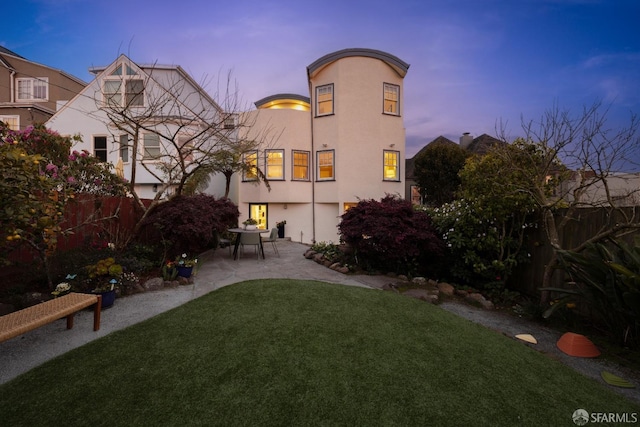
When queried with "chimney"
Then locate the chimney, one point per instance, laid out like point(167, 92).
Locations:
point(465, 140)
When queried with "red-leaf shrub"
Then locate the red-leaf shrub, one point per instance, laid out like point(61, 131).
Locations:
point(389, 234)
point(193, 223)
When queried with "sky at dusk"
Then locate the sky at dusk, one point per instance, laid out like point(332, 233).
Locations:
point(473, 63)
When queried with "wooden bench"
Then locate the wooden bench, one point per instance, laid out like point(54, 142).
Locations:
point(25, 320)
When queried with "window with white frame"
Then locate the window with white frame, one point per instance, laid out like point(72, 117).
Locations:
point(124, 148)
point(324, 100)
point(12, 122)
point(274, 161)
point(250, 172)
point(123, 87)
point(391, 99)
point(300, 165)
point(326, 165)
point(151, 146)
point(100, 148)
point(32, 89)
point(391, 169)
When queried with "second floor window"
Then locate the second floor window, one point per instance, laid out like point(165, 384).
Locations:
point(326, 165)
point(300, 165)
point(32, 89)
point(100, 148)
point(275, 164)
point(151, 146)
point(324, 100)
point(391, 99)
point(250, 172)
point(391, 171)
point(123, 88)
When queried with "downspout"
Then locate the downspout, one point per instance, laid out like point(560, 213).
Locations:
point(312, 170)
point(13, 93)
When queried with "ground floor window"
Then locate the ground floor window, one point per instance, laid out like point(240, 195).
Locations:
point(13, 122)
point(100, 148)
point(259, 213)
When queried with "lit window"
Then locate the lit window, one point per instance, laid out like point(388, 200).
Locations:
point(275, 164)
point(12, 122)
point(391, 97)
point(100, 148)
point(151, 144)
point(391, 165)
point(250, 172)
point(300, 165)
point(32, 89)
point(124, 148)
point(325, 165)
point(349, 205)
point(324, 100)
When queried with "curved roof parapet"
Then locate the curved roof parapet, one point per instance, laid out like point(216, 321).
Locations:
point(288, 101)
point(394, 62)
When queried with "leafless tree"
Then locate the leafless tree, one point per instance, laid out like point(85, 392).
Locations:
point(573, 162)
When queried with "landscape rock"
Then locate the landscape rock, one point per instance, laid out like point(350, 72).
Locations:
point(390, 287)
point(480, 299)
point(335, 266)
point(422, 294)
point(403, 277)
point(154, 284)
point(446, 288)
point(318, 258)
point(343, 270)
point(419, 281)
point(309, 253)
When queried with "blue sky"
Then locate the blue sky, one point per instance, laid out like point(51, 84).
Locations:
point(473, 62)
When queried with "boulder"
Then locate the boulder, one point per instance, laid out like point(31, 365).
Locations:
point(480, 299)
point(309, 253)
point(419, 281)
point(154, 284)
point(446, 288)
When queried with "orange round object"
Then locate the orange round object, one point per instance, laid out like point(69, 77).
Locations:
point(577, 345)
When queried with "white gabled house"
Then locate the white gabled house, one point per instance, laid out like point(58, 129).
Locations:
point(153, 117)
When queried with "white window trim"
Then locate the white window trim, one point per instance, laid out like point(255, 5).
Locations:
point(266, 164)
point(333, 165)
point(11, 117)
point(293, 165)
point(31, 81)
point(105, 149)
point(122, 80)
point(333, 105)
point(384, 99)
point(397, 165)
point(151, 159)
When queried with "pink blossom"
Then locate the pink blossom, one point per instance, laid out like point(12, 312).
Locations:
point(71, 180)
point(72, 157)
point(51, 167)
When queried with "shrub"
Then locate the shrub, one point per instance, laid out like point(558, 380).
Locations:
point(389, 234)
point(193, 223)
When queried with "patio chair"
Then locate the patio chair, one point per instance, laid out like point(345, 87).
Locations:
point(251, 239)
point(273, 238)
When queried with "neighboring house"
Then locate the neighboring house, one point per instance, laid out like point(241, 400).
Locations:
point(479, 145)
point(170, 107)
point(30, 93)
point(343, 143)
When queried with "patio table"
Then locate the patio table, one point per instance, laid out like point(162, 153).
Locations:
point(239, 232)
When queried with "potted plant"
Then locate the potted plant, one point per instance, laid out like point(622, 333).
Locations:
point(104, 276)
point(280, 225)
point(185, 264)
point(250, 224)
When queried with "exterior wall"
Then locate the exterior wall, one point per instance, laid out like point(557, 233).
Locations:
point(62, 87)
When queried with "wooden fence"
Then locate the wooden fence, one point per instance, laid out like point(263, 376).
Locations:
point(529, 276)
point(91, 221)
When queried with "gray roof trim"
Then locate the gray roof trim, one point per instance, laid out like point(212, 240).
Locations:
point(282, 96)
point(394, 62)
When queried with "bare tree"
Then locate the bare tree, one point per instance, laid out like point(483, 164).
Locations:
point(175, 131)
point(571, 162)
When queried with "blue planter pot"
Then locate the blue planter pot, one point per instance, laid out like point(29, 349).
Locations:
point(184, 271)
point(108, 298)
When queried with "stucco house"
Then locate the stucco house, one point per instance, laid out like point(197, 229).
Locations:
point(343, 143)
point(30, 93)
point(143, 116)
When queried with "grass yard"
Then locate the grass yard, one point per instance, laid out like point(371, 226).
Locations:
point(303, 353)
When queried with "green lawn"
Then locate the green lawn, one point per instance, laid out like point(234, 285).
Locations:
point(299, 353)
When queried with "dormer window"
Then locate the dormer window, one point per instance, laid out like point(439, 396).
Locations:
point(32, 89)
point(123, 80)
